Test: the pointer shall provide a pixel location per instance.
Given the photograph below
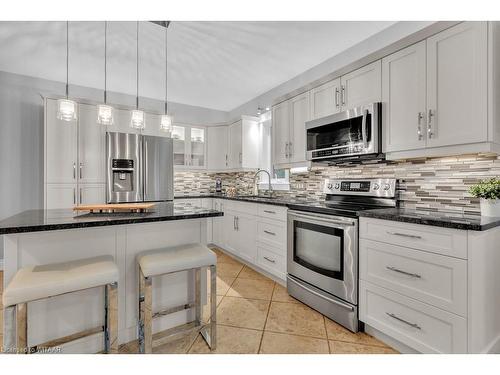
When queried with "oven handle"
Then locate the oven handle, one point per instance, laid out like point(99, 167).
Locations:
point(363, 129)
point(312, 291)
point(345, 222)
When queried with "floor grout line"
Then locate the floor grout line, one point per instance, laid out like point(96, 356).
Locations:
point(267, 316)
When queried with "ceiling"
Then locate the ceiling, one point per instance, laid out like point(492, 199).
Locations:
point(218, 65)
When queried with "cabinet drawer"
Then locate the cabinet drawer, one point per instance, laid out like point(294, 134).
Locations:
point(272, 212)
point(445, 241)
point(193, 202)
point(272, 232)
point(243, 207)
point(416, 324)
point(434, 279)
point(271, 261)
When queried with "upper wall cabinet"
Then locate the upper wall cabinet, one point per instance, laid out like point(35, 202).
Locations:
point(289, 133)
point(356, 88)
point(235, 147)
point(435, 95)
point(362, 86)
point(217, 155)
point(325, 99)
point(403, 95)
point(189, 146)
point(457, 71)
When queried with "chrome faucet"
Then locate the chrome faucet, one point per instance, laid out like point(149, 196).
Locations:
point(270, 188)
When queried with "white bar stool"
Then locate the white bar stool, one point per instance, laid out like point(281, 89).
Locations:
point(41, 282)
point(167, 261)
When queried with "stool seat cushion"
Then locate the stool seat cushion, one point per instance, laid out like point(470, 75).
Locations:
point(38, 282)
point(174, 259)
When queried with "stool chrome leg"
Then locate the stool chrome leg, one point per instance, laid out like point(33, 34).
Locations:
point(197, 297)
point(22, 328)
point(111, 318)
point(9, 334)
point(145, 314)
point(213, 307)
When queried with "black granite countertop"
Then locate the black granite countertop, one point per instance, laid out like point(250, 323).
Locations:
point(46, 220)
point(438, 219)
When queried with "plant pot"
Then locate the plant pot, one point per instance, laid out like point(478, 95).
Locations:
point(490, 207)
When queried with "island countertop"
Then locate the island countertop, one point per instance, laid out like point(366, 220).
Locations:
point(47, 220)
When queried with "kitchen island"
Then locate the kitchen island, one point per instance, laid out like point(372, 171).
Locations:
point(39, 237)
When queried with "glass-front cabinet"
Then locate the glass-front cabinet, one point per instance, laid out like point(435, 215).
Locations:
point(189, 146)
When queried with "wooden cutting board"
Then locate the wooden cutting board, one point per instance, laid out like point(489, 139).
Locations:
point(118, 207)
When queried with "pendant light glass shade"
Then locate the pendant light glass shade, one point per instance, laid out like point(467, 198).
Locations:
point(104, 114)
point(66, 110)
point(137, 120)
point(166, 123)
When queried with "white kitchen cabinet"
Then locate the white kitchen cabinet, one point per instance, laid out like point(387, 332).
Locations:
point(189, 146)
point(325, 99)
point(235, 145)
point(91, 194)
point(362, 86)
point(299, 114)
point(60, 147)
point(281, 132)
point(207, 203)
point(289, 134)
point(218, 143)
point(457, 84)
point(91, 146)
point(240, 235)
point(59, 196)
point(404, 98)
point(218, 224)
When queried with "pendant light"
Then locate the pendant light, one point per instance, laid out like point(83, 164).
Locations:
point(105, 111)
point(66, 108)
point(166, 120)
point(137, 119)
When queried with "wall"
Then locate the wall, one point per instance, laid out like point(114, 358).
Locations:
point(21, 134)
point(430, 184)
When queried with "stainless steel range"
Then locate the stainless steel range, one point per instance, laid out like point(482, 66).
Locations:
point(322, 260)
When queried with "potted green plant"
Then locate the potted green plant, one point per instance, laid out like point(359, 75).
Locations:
point(489, 193)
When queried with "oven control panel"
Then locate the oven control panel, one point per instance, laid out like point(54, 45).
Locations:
point(382, 187)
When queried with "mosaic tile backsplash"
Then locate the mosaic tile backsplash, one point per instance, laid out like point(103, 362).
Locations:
point(431, 184)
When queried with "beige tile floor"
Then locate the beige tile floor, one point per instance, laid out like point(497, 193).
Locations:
point(256, 315)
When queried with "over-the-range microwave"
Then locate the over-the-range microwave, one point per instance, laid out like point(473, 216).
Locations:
point(352, 134)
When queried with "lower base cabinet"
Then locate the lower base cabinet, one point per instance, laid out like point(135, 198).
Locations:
point(240, 234)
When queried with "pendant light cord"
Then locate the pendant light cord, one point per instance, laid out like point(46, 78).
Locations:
point(137, 67)
point(167, 23)
point(67, 59)
point(105, 60)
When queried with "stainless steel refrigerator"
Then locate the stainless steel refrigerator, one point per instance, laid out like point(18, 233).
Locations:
point(140, 168)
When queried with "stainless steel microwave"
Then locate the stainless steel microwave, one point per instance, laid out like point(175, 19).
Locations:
point(351, 134)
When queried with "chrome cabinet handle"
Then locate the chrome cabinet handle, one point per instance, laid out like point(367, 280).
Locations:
point(237, 223)
point(81, 168)
point(430, 133)
point(81, 195)
point(241, 158)
point(343, 95)
point(269, 212)
point(405, 235)
point(394, 316)
point(419, 127)
point(270, 260)
point(286, 150)
point(74, 196)
point(271, 233)
point(290, 149)
point(394, 269)
point(226, 160)
point(337, 92)
point(234, 223)
point(74, 171)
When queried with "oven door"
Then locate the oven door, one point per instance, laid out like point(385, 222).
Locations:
point(323, 251)
point(354, 132)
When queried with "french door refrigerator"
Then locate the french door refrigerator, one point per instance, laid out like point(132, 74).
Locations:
point(140, 168)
